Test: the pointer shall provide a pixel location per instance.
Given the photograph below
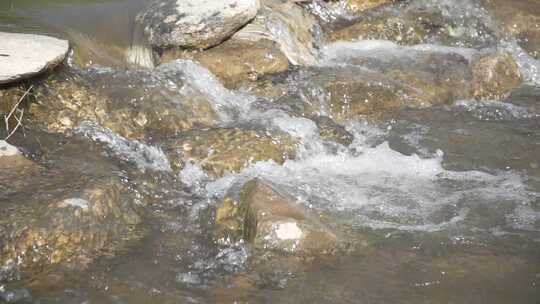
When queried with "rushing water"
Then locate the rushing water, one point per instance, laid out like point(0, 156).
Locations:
point(447, 197)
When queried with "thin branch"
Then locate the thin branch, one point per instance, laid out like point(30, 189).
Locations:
point(14, 109)
point(19, 123)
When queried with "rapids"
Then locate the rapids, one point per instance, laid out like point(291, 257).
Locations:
point(441, 203)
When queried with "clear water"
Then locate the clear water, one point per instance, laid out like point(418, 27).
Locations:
point(444, 202)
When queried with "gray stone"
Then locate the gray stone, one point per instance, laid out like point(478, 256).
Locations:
point(25, 55)
point(195, 24)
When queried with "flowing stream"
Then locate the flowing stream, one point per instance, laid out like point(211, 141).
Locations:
point(447, 196)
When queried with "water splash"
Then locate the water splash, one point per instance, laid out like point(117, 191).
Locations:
point(143, 156)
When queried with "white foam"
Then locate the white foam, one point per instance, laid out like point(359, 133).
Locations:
point(342, 52)
point(495, 110)
point(525, 217)
point(228, 104)
point(384, 188)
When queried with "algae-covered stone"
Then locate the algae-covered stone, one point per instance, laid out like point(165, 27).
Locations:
point(416, 22)
point(236, 61)
point(194, 23)
point(225, 150)
point(273, 221)
point(386, 76)
point(519, 18)
point(495, 75)
point(362, 5)
point(58, 216)
point(331, 131)
point(132, 104)
point(391, 28)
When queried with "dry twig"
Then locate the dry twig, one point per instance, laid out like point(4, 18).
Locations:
point(15, 109)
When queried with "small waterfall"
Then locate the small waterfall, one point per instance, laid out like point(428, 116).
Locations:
point(140, 52)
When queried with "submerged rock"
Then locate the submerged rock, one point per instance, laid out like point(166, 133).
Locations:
point(132, 104)
point(271, 221)
point(331, 131)
point(362, 5)
point(236, 61)
point(15, 296)
point(519, 18)
point(495, 75)
point(391, 28)
point(59, 216)
point(377, 77)
point(194, 24)
point(13, 163)
point(25, 55)
point(415, 22)
point(224, 150)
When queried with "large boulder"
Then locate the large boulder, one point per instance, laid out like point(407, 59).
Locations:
point(59, 216)
point(194, 24)
point(225, 150)
point(25, 55)
point(272, 221)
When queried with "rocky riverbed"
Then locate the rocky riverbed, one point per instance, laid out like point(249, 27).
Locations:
point(254, 151)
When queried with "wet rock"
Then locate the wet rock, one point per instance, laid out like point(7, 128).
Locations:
point(344, 94)
point(194, 24)
point(13, 163)
point(362, 5)
point(236, 61)
point(24, 55)
point(416, 22)
point(378, 77)
point(391, 28)
point(272, 221)
point(521, 19)
point(132, 104)
point(331, 131)
point(59, 216)
point(224, 150)
point(495, 75)
point(292, 28)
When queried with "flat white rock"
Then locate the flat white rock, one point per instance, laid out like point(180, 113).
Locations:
point(25, 55)
point(7, 150)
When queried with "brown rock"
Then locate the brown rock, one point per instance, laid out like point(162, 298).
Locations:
point(362, 5)
point(272, 221)
point(495, 75)
point(391, 28)
point(53, 216)
point(120, 101)
point(236, 61)
point(221, 151)
point(520, 18)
